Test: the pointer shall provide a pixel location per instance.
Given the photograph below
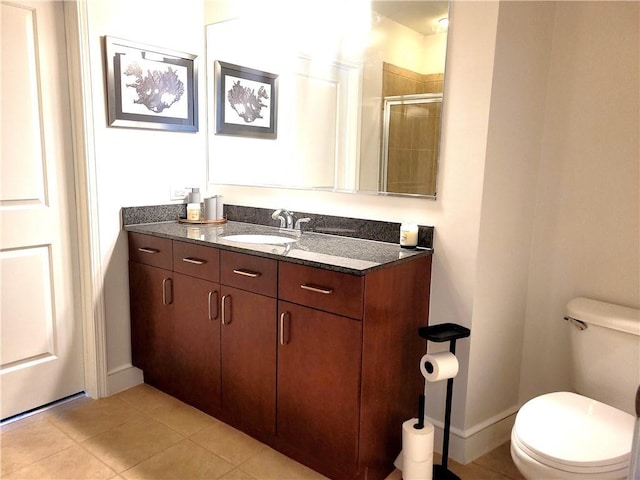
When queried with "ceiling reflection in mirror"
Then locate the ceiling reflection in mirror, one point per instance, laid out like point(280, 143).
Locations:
point(358, 93)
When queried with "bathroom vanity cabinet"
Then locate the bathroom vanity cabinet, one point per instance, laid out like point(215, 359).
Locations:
point(174, 318)
point(318, 363)
point(195, 346)
point(319, 386)
point(320, 323)
point(150, 278)
point(248, 342)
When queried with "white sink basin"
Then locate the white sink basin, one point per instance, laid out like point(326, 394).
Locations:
point(256, 238)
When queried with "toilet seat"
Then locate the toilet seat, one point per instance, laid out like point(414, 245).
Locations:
point(573, 433)
point(531, 469)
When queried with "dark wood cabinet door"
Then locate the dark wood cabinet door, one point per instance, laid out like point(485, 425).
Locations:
point(319, 358)
point(151, 301)
point(196, 345)
point(248, 338)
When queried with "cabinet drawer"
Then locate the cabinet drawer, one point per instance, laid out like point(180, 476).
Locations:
point(196, 260)
point(248, 272)
point(150, 250)
point(333, 292)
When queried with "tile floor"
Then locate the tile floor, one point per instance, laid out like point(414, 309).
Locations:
point(144, 434)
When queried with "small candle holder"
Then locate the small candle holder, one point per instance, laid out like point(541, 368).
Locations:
point(408, 235)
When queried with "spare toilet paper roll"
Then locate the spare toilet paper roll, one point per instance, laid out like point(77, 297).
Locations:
point(417, 451)
point(439, 366)
point(417, 444)
point(418, 470)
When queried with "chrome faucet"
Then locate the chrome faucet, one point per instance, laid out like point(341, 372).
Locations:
point(286, 220)
point(299, 223)
point(285, 216)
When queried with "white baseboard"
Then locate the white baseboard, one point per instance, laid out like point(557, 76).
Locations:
point(122, 378)
point(465, 446)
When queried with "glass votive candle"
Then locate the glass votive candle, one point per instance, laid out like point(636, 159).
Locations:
point(408, 235)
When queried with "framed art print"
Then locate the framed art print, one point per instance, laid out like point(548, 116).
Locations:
point(150, 87)
point(246, 101)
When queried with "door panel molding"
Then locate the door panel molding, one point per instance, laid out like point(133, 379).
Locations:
point(26, 110)
point(28, 295)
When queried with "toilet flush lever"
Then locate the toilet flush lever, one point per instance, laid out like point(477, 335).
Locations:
point(579, 324)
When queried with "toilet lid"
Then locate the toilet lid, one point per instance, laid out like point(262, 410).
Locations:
point(567, 430)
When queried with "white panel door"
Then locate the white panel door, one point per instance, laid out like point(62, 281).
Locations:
point(41, 339)
point(326, 118)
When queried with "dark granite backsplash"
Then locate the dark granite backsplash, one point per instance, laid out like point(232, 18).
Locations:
point(153, 213)
point(344, 226)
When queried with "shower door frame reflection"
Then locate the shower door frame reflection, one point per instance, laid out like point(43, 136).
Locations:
point(387, 132)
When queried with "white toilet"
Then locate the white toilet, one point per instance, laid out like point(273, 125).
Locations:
point(586, 435)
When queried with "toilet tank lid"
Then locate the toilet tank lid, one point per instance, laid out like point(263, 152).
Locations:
point(609, 315)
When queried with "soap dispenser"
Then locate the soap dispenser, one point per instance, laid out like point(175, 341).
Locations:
point(193, 206)
point(194, 196)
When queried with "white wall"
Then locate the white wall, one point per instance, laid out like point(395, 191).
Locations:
point(586, 229)
point(560, 207)
point(538, 194)
point(508, 200)
point(435, 43)
point(137, 167)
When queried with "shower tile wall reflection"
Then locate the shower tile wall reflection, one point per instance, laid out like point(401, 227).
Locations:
point(401, 81)
point(413, 150)
point(414, 131)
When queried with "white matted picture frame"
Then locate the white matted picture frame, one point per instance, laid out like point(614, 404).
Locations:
point(150, 87)
point(246, 101)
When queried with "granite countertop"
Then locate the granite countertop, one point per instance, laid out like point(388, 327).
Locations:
point(332, 252)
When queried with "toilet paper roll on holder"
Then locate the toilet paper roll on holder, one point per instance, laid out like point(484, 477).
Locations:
point(444, 332)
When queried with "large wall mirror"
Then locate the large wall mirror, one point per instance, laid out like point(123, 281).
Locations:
point(334, 95)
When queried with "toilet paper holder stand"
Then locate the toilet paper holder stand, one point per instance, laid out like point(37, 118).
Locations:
point(445, 332)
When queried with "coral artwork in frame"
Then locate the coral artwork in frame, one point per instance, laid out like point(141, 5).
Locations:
point(150, 87)
point(246, 101)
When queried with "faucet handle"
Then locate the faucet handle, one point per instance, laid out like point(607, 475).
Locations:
point(278, 215)
point(300, 221)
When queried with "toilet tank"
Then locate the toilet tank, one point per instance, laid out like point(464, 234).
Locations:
point(605, 354)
